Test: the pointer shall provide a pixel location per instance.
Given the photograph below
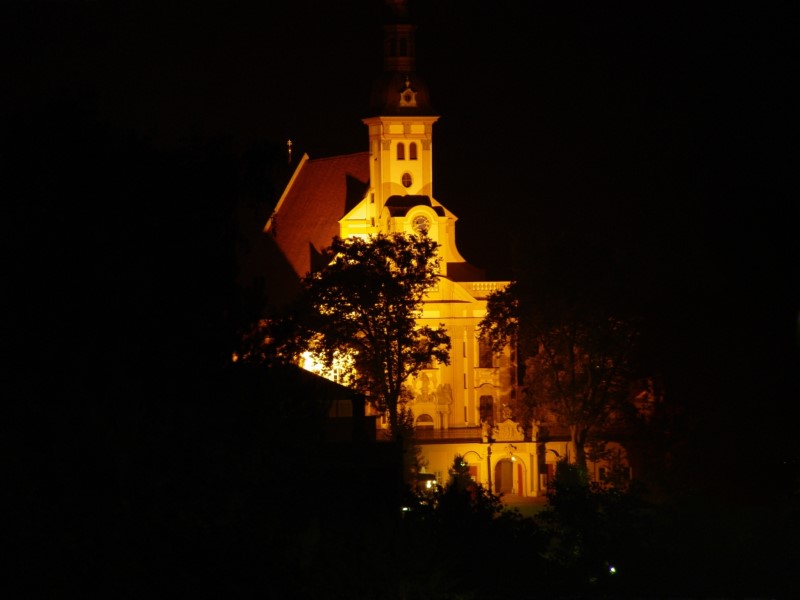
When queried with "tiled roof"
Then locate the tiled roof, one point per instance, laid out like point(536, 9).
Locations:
point(265, 265)
point(307, 217)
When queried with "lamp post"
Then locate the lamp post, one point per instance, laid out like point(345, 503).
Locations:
point(510, 450)
point(489, 465)
point(489, 440)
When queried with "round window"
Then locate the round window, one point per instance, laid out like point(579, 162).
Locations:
point(406, 180)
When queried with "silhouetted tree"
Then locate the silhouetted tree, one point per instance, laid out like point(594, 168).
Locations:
point(463, 522)
point(579, 370)
point(464, 496)
point(357, 320)
point(358, 317)
point(595, 533)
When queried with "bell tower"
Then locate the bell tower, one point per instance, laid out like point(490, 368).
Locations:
point(400, 198)
point(401, 119)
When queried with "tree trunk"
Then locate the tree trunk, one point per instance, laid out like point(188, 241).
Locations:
point(577, 449)
point(394, 425)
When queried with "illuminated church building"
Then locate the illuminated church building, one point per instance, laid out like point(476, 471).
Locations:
point(389, 189)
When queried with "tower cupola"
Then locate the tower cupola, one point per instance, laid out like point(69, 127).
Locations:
point(400, 90)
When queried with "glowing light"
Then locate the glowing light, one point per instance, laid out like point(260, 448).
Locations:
point(309, 363)
point(342, 366)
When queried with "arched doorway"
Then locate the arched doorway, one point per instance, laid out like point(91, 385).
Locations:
point(504, 476)
point(509, 477)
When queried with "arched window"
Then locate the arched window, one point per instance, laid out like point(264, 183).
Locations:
point(424, 420)
point(412, 151)
point(401, 151)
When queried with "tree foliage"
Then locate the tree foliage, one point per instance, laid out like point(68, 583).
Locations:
point(595, 533)
point(500, 325)
point(582, 375)
point(462, 494)
point(357, 317)
point(578, 365)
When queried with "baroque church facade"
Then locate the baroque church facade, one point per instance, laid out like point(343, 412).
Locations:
point(462, 408)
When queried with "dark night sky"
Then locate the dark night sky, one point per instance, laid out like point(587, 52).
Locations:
point(656, 134)
point(676, 116)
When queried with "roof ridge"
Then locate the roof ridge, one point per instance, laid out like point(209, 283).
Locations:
point(339, 156)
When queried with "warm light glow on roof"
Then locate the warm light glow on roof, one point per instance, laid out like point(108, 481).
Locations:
point(342, 368)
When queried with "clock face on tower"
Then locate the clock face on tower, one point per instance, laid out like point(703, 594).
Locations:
point(421, 224)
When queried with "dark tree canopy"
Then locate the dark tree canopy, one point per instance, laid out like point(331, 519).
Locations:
point(582, 376)
point(579, 365)
point(501, 323)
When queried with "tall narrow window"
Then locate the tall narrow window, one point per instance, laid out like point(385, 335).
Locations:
point(403, 47)
point(485, 354)
point(486, 409)
point(401, 151)
point(412, 151)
